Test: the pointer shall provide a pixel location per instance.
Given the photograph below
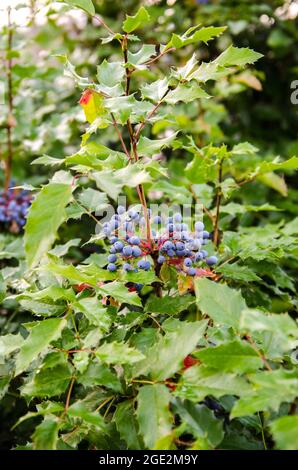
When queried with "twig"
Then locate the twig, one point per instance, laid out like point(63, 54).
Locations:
point(154, 59)
point(254, 346)
point(101, 21)
point(150, 114)
point(120, 137)
point(69, 394)
point(207, 212)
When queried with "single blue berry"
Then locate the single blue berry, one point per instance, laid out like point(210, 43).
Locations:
point(171, 253)
point(161, 259)
point(177, 217)
point(112, 267)
point(113, 240)
point(120, 210)
point(136, 251)
point(188, 262)
point(191, 271)
point(113, 250)
point(112, 258)
point(168, 245)
point(199, 226)
point(211, 260)
point(204, 253)
point(205, 234)
point(127, 250)
point(157, 220)
point(127, 267)
point(134, 240)
point(118, 246)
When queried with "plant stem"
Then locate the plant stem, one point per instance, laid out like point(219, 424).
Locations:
point(254, 346)
point(133, 142)
point(217, 204)
point(69, 394)
point(120, 137)
point(10, 120)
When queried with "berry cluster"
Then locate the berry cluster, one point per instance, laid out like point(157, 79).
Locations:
point(14, 206)
point(171, 242)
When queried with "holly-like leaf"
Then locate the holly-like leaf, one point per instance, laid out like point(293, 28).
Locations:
point(100, 374)
point(120, 292)
point(45, 216)
point(10, 343)
point(165, 358)
point(187, 93)
point(45, 436)
point(154, 417)
point(94, 200)
point(194, 35)
point(169, 305)
point(127, 425)
point(94, 311)
point(48, 381)
point(270, 389)
point(285, 432)
point(39, 338)
point(233, 356)
point(140, 19)
point(223, 304)
point(200, 421)
point(197, 382)
point(148, 147)
point(235, 56)
point(118, 353)
point(80, 411)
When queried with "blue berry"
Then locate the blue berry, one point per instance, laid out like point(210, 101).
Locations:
point(127, 267)
point(171, 253)
point(120, 210)
point(113, 240)
point(134, 240)
point(114, 224)
point(168, 245)
point(157, 220)
point(177, 217)
point(188, 262)
point(136, 251)
point(211, 260)
point(118, 246)
point(191, 271)
point(113, 250)
point(161, 259)
point(142, 264)
point(204, 253)
point(205, 234)
point(180, 246)
point(199, 256)
point(112, 267)
point(127, 250)
point(112, 258)
point(199, 226)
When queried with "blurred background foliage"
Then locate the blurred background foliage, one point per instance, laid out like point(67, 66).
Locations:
point(253, 105)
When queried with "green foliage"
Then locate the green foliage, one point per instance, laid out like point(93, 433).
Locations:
point(152, 359)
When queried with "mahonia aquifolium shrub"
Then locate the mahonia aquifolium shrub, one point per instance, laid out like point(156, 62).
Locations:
point(186, 352)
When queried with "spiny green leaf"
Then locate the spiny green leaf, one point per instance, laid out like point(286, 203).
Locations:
point(118, 353)
point(153, 413)
point(40, 336)
point(127, 425)
point(45, 216)
point(233, 356)
point(223, 304)
point(45, 436)
point(140, 19)
point(285, 432)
